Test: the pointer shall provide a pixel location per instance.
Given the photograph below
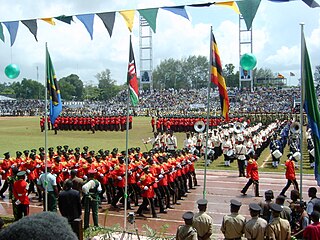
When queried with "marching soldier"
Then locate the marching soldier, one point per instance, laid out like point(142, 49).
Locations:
point(276, 151)
point(241, 151)
point(253, 175)
point(5, 166)
point(187, 232)
point(20, 190)
point(227, 150)
point(147, 192)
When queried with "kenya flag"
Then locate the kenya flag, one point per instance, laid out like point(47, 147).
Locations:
point(132, 78)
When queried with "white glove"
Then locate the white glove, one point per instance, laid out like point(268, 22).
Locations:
point(129, 172)
point(76, 165)
point(3, 171)
point(85, 177)
point(145, 188)
point(140, 166)
point(17, 202)
point(138, 175)
point(101, 175)
point(111, 168)
point(119, 178)
point(27, 187)
point(160, 176)
point(28, 171)
point(38, 166)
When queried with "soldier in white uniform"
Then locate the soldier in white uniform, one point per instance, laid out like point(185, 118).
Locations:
point(188, 143)
point(171, 142)
point(241, 151)
point(216, 143)
point(227, 149)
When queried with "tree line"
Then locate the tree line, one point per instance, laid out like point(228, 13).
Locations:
point(186, 73)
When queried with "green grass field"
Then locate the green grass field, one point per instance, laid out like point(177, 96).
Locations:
point(20, 133)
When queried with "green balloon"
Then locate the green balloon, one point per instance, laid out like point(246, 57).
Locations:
point(12, 71)
point(248, 61)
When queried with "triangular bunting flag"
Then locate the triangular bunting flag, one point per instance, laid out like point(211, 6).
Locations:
point(49, 20)
point(13, 29)
point(248, 10)
point(108, 20)
point(179, 10)
point(128, 16)
point(65, 19)
point(32, 26)
point(87, 20)
point(311, 3)
point(230, 4)
point(200, 4)
point(150, 15)
point(1, 33)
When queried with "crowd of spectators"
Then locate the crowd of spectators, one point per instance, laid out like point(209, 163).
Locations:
point(159, 103)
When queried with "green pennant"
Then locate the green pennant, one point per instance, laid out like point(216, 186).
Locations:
point(248, 10)
point(1, 33)
point(151, 17)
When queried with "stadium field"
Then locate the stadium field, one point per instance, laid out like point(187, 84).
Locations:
point(20, 133)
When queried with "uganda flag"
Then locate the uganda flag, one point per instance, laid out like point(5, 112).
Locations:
point(53, 89)
point(311, 107)
point(132, 78)
point(217, 78)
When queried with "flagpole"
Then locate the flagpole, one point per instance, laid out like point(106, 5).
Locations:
point(207, 122)
point(45, 197)
point(302, 86)
point(127, 157)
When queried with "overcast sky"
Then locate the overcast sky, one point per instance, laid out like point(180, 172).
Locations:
point(276, 37)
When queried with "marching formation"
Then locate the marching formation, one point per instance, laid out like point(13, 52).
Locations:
point(87, 123)
point(161, 178)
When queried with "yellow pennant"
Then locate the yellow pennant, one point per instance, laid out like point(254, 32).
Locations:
point(230, 4)
point(49, 20)
point(128, 16)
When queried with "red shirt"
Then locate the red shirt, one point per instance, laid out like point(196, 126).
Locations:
point(252, 170)
point(20, 191)
point(312, 232)
point(290, 171)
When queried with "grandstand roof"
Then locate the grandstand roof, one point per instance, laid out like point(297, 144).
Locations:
point(4, 98)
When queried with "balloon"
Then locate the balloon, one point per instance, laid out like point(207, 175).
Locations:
point(12, 71)
point(248, 61)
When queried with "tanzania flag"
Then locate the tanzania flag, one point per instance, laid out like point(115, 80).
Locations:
point(311, 108)
point(132, 78)
point(218, 79)
point(53, 90)
point(292, 74)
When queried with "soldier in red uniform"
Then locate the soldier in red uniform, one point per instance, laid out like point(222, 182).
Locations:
point(153, 124)
point(290, 174)
point(147, 192)
point(42, 121)
point(253, 175)
point(20, 194)
point(5, 166)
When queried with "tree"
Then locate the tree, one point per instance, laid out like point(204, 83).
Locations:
point(232, 78)
point(28, 89)
point(108, 88)
point(91, 93)
point(186, 73)
point(71, 87)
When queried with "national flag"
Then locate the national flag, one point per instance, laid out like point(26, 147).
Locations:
point(53, 89)
point(132, 78)
point(217, 78)
point(280, 76)
point(311, 107)
point(292, 74)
